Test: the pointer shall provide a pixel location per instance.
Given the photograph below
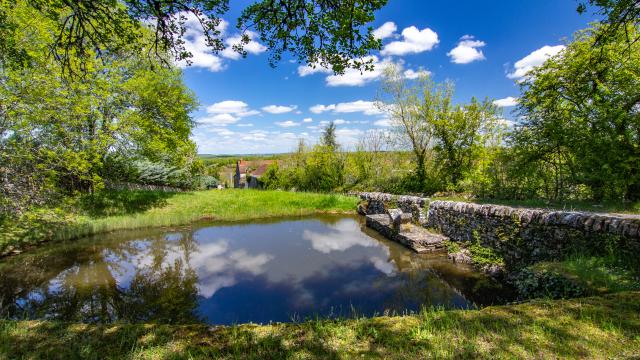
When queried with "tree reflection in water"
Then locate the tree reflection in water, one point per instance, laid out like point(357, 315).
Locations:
point(86, 288)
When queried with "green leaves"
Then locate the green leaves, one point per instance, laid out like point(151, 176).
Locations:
point(581, 115)
point(330, 34)
point(63, 135)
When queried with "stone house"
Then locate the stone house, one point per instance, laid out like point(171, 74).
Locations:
point(248, 173)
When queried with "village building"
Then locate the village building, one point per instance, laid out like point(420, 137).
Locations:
point(248, 173)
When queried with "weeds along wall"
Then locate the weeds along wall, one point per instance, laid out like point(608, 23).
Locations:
point(521, 236)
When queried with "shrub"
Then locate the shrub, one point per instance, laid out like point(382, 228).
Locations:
point(533, 283)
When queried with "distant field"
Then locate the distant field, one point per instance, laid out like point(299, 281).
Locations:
point(244, 156)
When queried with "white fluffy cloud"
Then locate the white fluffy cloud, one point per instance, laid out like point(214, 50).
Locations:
point(412, 74)
point(218, 119)
point(307, 120)
point(304, 70)
point(202, 56)
point(318, 109)
point(350, 77)
point(383, 123)
point(506, 102)
point(354, 77)
point(226, 112)
point(278, 109)
point(235, 107)
point(256, 135)
point(386, 30)
point(195, 43)
point(536, 58)
point(467, 51)
point(253, 47)
point(288, 123)
point(413, 41)
point(348, 137)
point(365, 107)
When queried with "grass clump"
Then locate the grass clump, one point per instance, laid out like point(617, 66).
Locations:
point(597, 327)
point(115, 210)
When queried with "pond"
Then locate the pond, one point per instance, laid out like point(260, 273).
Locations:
point(226, 273)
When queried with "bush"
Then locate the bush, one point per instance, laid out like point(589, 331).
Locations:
point(532, 283)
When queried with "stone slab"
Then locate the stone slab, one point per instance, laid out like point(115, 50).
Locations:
point(412, 236)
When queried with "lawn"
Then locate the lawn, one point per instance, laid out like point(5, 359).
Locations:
point(595, 327)
point(116, 210)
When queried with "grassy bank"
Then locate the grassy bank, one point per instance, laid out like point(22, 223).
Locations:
point(116, 210)
point(596, 327)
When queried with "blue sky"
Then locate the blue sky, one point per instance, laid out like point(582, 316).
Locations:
point(483, 46)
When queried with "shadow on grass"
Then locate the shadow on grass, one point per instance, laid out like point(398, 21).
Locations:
point(114, 202)
point(598, 327)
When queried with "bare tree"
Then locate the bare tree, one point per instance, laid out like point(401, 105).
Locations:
point(410, 110)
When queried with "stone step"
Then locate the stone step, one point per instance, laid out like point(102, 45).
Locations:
point(412, 236)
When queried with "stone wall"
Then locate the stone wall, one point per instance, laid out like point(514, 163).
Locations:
point(374, 203)
point(521, 236)
point(132, 186)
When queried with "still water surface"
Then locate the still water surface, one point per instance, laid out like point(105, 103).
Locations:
point(262, 271)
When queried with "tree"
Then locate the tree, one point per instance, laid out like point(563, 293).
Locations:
point(65, 134)
point(324, 169)
point(329, 136)
point(460, 133)
point(409, 114)
point(320, 33)
point(618, 15)
point(583, 117)
point(426, 119)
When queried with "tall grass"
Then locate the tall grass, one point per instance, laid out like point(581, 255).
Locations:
point(227, 205)
point(599, 327)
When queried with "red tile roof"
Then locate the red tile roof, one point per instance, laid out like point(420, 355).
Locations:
point(260, 170)
point(260, 166)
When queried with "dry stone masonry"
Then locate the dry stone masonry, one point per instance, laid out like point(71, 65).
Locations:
point(378, 203)
point(521, 236)
point(415, 237)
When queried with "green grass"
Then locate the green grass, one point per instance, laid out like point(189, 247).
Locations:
point(569, 205)
point(116, 210)
point(596, 327)
point(596, 275)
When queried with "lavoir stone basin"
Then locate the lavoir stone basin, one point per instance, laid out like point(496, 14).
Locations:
point(226, 273)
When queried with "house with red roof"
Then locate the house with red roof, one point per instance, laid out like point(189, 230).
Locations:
point(248, 173)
